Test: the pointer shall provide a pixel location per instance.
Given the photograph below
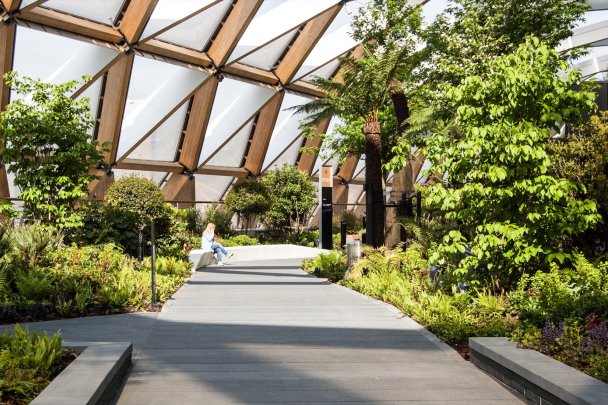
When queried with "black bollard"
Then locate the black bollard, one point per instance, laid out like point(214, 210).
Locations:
point(342, 234)
point(153, 240)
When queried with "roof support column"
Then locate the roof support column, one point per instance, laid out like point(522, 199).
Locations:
point(198, 120)
point(260, 140)
point(307, 160)
point(112, 111)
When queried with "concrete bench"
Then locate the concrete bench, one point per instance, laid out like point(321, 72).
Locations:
point(201, 258)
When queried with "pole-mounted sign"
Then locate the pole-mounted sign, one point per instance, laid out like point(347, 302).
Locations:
point(326, 212)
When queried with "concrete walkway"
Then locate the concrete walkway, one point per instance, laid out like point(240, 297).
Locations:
point(266, 332)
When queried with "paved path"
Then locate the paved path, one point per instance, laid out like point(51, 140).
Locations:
point(266, 332)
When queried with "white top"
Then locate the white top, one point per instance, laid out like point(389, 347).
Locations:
point(207, 240)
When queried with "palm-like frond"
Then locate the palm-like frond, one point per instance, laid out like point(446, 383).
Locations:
point(363, 88)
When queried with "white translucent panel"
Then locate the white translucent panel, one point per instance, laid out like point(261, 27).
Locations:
point(289, 156)
point(156, 177)
point(211, 188)
point(360, 175)
point(274, 18)
point(13, 190)
point(56, 59)
point(196, 32)
point(423, 171)
point(102, 11)
point(231, 154)
point(334, 42)
point(354, 193)
point(326, 71)
point(589, 34)
point(235, 103)
point(287, 127)
point(92, 93)
point(360, 168)
point(25, 3)
point(266, 57)
point(595, 61)
point(163, 142)
point(168, 12)
point(592, 17)
point(154, 90)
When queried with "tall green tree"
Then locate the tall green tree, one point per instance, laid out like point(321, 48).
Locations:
point(363, 93)
point(292, 198)
point(248, 198)
point(46, 144)
point(512, 215)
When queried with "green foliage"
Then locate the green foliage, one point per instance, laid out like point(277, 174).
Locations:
point(194, 221)
point(46, 144)
point(308, 237)
point(293, 196)
point(471, 31)
point(172, 237)
point(136, 199)
point(220, 217)
point(330, 265)
point(400, 277)
point(27, 362)
point(248, 197)
point(240, 240)
point(598, 367)
point(353, 222)
point(514, 215)
point(581, 158)
point(562, 293)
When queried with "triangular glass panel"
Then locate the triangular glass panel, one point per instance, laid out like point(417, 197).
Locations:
point(274, 18)
point(326, 71)
point(334, 42)
point(287, 127)
point(236, 102)
point(163, 142)
point(156, 177)
point(168, 12)
point(231, 154)
point(155, 89)
point(354, 194)
point(101, 11)
point(211, 188)
point(360, 169)
point(64, 59)
point(289, 156)
point(195, 32)
point(266, 57)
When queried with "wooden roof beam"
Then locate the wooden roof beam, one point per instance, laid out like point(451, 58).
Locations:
point(11, 5)
point(304, 44)
point(198, 120)
point(72, 24)
point(232, 30)
point(347, 170)
point(262, 134)
point(7, 46)
point(135, 19)
point(307, 160)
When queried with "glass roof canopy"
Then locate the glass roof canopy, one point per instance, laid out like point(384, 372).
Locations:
point(200, 88)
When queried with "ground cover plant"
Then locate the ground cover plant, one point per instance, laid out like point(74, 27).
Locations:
point(28, 363)
point(41, 279)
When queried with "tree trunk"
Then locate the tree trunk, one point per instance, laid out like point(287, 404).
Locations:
point(373, 177)
point(399, 188)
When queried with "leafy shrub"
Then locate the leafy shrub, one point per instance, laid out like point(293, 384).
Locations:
point(248, 197)
point(330, 265)
point(221, 218)
point(138, 200)
point(309, 237)
point(194, 221)
point(562, 293)
point(172, 237)
point(293, 196)
point(240, 240)
point(581, 158)
point(27, 362)
point(353, 222)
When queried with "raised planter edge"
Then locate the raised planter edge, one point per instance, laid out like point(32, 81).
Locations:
point(93, 378)
point(539, 378)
